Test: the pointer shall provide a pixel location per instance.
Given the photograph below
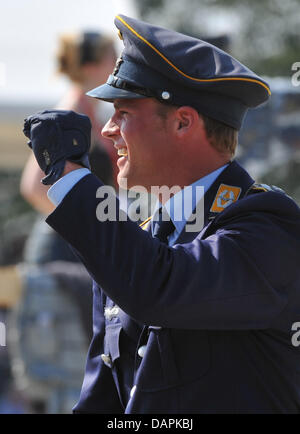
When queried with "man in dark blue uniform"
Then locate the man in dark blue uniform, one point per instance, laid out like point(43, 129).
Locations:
point(187, 319)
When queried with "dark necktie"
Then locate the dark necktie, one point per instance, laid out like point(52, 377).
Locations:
point(162, 226)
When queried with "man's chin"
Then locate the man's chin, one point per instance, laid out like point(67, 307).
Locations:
point(123, 182)
point(128, 184)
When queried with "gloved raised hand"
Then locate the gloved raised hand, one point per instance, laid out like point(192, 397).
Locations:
point(56, 136)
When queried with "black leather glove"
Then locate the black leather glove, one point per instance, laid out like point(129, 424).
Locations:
point(56, 136)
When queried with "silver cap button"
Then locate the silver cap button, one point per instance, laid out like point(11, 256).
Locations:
point(165, 95)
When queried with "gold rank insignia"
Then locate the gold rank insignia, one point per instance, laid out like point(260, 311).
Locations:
point(226, 195)
point(144, 225)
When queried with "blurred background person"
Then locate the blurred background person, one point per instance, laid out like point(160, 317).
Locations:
point(86, 59)
point(45, 325)
point(50, 292)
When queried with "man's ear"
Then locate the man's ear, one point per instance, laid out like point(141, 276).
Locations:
point(186, 118)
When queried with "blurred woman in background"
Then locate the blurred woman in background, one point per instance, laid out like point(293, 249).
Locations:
point(50, 268)
point(86, 59)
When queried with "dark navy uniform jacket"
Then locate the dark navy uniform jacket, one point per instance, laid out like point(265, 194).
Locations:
point(213, 314)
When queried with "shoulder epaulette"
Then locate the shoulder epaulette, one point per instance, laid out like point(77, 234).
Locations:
point(262, 188)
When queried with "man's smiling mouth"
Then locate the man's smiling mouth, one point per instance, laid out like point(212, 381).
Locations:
point(122, 152)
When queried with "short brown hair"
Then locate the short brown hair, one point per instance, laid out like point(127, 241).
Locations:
point(221, 136)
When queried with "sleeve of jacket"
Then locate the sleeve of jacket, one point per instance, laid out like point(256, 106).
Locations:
point(236, 278)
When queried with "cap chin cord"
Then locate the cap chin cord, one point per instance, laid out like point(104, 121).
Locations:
point(119, 83)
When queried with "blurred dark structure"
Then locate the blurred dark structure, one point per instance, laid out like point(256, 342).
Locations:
point(49, 331)
point(270, 139)
point(16, 218)
point(266, 32)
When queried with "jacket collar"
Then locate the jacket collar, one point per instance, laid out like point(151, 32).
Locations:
point(231, 185)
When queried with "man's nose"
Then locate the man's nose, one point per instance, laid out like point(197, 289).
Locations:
point(110, 129)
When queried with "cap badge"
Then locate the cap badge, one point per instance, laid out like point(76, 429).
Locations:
point(117, 66)
point(46, 157)
point(225, 196)
point(75, 143)
point(165, 95)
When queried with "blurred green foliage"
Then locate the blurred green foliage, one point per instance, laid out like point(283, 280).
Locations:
point(265, 33)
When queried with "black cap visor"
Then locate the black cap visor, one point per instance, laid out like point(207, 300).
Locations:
point(109, 93)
